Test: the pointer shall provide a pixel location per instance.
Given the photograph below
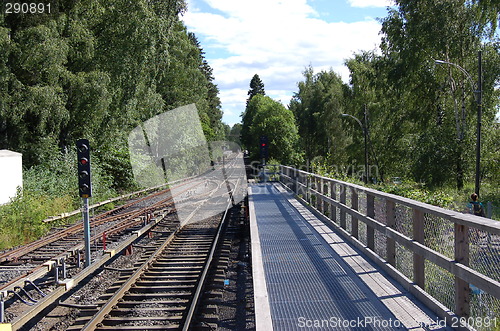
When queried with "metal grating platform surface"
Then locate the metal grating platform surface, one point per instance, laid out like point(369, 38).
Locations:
point(309, 285)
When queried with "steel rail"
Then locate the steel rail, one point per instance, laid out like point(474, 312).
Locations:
point(41, 271)
point(76, 228)
point(97, 320)
point(201, 283)
point(50, 264)
point(68, 284)
point(106, 308)
point(121, 197)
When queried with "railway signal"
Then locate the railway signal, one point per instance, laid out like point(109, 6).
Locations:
point(264, 146)
point(85, 190)
point(84, 180)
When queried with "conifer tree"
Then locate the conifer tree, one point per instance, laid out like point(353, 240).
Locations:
point(256, 87)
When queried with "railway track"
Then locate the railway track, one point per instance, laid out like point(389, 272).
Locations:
point(158, 291)
point(111, 222)
point(63, 248)
point(159, 294)
point(22, 299)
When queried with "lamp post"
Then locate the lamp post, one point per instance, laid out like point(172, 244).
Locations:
point(365, 134)
point(478, 90)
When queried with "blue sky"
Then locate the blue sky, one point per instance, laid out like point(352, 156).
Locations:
point(278, 39)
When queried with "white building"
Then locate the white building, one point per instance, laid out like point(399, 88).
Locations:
point(11, 174)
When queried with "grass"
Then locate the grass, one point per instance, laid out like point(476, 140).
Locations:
point(49, 190)
point(21, 219)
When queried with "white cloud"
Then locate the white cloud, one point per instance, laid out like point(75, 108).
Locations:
point(371, 3)
point(275, 39)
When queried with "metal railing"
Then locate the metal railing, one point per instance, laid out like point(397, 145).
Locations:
point(448, 260)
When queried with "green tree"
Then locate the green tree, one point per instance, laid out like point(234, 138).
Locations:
point(96, 69)
point(256, 87)
point(435, 102)
point(317, 108)
point(273, 120)
point(214, 110)
point(235, 133)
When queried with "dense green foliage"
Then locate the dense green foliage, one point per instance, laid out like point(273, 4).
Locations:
point(49, 189)
point(317, 107)
point(96, 69)
point(421, 116)
point(256, 88)
point(92, 69)
point(270, 118)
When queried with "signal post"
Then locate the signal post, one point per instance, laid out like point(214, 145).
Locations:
point(85, 190)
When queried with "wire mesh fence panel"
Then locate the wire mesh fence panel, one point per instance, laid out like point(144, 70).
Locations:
point(404, 220)
point(335, 192)
point(404, 261)
point(439, 235)
point(381, 245)
point(484, 253)
point(362, 233)
point(362, 203)
point(380, 216)
point(380, 210)
point(484, 309)
point(313, 200)
point(440, 284)
point(348, 217)
point(484, 256)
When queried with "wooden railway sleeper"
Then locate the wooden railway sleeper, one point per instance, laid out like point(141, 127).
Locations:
point(143, 246)
point(119, 270)
point(77, 306)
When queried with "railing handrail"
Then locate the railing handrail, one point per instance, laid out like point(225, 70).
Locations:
point(474, 221)
point(330, 196)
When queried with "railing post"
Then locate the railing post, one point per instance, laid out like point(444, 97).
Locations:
point(303, 187)
point(314, 196)
point(284, 171)
point(326, 209)
point(418, 236)
point(333, 209)
point(462, 290)
point(298, 176)
point(390, 213)
point(354, 206)
point(319, 199)
point(370, 212)
point(288, 172)
point(315, 187)
point(343, 194)
point(308, 186)
point(280, 178)
point(295, 181)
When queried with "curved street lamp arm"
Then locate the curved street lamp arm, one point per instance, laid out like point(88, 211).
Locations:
point(475, 88)
point(356, 119)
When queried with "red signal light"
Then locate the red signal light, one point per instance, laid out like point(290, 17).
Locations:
point(84, 161)
point(263, 145)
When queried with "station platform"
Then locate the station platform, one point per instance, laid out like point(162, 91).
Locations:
point(307, 278)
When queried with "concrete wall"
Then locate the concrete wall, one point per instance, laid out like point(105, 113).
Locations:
point(11, 174)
